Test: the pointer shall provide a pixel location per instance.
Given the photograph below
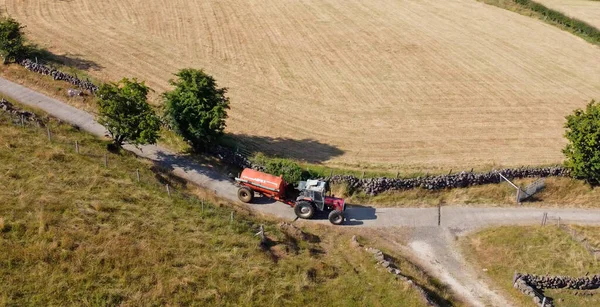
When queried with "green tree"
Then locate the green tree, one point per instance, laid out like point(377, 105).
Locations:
point(583, 150)
point(196, 108)
point(12, 41)
point(126, 114)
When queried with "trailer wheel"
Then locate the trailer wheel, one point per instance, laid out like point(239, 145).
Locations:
point(304, 210)
point(336, 217)
point(245, 194)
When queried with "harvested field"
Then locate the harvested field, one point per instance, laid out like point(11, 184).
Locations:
point(584, 10)
point(394, 84)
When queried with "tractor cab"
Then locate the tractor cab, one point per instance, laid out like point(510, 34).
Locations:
point(316, 195)
point(315, 190)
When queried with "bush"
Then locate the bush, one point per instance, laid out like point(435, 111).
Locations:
point(12, 42)
point(583, 150)
point(125, 112)
point(291, 171)
point(196, 109)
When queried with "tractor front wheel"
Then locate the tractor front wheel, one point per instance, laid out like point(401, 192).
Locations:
point(304, 210)
point(336, 217)
point(245, 194)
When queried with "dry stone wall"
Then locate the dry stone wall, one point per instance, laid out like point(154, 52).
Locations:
point(534, 285)
point(59, 75)
point(387, 264)
point(374, 186)
point(19, 116)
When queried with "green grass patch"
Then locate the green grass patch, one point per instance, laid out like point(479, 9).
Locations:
point(550, 16)
point(74, 232)
point(535, 250)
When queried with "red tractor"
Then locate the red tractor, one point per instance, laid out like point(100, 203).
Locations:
point(314, 194)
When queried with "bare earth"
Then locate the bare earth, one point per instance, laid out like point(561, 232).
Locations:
point(397, 84)
point(584, 10)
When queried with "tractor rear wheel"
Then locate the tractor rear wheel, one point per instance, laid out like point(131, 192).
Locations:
point(336, 217)
point(245, 194)
point(304, 210)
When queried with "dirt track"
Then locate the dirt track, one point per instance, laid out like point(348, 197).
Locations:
point(433, 245)
point(401, 84)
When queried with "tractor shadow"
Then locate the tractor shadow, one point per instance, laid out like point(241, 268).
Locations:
point(355, 215)
point(307, 150)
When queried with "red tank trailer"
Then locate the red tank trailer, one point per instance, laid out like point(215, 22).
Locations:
point(313, 194)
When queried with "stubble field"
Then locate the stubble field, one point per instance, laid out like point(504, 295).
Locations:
point(584, 10)
point(391, 84)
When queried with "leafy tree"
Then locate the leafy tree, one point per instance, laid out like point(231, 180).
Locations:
point(125, 112)
point(196, 109)
point(583, 149)
point(12, 42)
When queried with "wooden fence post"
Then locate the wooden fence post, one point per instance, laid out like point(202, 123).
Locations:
point(77, 147)
point(137, 172)
point(439, 214)
point(231, 218)
point(105, 160)
point(168, 190)
point(48, 131)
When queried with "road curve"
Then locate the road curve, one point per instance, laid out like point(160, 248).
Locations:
point(458, 218)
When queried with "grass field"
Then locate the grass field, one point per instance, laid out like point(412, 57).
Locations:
point(534, 250)
point(74, 232)
point(585, 10)
point(390, 84)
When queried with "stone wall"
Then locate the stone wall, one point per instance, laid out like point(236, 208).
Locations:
point(386, 263)
point(59, 75)
point(374, 186)
point(534, 285)
point(19, 117)
point(562, 282)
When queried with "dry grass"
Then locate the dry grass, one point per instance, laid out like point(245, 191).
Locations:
point(47, 86)
point(591, 234)
point(559, 192)
point(535, 250)
point(76, 233)
point(390, 84)
point(585, 10)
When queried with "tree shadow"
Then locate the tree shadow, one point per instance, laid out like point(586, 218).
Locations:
point(70, 60)
point(193, 170)
point(307, 150)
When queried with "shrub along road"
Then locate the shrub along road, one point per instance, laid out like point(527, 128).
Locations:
point(442, 260)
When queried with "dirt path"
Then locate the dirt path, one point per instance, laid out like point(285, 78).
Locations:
point(437, 252)
point(432, 244)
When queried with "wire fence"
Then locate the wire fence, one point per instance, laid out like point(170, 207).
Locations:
point(157, 177)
